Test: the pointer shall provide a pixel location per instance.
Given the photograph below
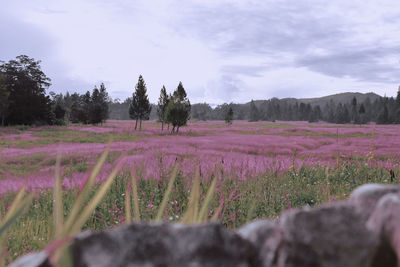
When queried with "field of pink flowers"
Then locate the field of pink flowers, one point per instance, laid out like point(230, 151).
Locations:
point(244, 150)
point(259, 169)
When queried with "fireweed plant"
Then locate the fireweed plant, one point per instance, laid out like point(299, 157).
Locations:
point(209, 172)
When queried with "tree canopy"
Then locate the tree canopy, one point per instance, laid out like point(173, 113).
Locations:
point(26, 86)
point(162, 106)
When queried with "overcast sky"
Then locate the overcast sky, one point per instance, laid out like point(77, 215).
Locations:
point(222, 51)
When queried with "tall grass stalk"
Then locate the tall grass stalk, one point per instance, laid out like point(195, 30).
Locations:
point(167, 193)
point(136, 209)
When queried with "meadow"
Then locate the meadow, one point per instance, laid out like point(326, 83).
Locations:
point(260, 169)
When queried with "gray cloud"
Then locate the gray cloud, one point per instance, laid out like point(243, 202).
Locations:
point(15, 35)
point(365, 64)
point(298, 33)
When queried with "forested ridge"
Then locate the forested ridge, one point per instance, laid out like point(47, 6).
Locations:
point(23, 100)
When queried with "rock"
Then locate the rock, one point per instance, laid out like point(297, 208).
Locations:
point(266, 237)
point(326, 236)
point(37, 259)
point(365, 197)
point(385, 222)
point(163, 244)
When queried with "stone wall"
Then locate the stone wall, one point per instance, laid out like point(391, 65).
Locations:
point(360, 232)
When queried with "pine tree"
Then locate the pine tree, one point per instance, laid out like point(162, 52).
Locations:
point(253, 112)
point(398, 97)
point(162, 106)
point(4, 95)
point(354, 113)
point(229, 116)
point(104, 102)
point(140, 107)
point(178, 108)
point(383, 117)
point(361, 112)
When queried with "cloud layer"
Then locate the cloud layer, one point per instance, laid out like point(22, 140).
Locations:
point(222, 51)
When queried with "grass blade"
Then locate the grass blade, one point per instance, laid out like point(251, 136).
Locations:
point(128, 216)
point(203, 212)
point(19, 209)
point(191, 213)
point(15, 204)
point(58, 214)
point(73, 215)
point(167, 193)
point(135, 198)
point(95, 201)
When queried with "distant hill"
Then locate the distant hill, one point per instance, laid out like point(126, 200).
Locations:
point(321, 101)
point(339, 98)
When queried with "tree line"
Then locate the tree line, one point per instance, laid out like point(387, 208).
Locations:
point(383, 110)
point(23, 100)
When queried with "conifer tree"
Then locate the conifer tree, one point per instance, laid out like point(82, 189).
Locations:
point(4, 95)
point(140, 107)
point(162, 106)
point(253, 112)
point(104, 100)
point(178, 108)
point(229, 116)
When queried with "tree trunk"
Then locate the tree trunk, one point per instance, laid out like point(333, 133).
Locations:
point(177, 129)
point(2, 121)
point(140, 127)
point(162, 126)
point(136, 124)
point(168, 126)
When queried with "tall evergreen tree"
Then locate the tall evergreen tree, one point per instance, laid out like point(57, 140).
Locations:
point(178, 108)
point(253, 112)
point(162, 106)
point(383, 117)
point(229, 116)
point(398, 97)
point(104, 101)
point(140, 107)
point(354, 111)
point(95, 107)
point(4, 95)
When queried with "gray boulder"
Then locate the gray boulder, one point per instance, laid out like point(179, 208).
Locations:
point(326, 236)
point(266, 237)
point(365, 197)
point(385, 222)
point(163, 244)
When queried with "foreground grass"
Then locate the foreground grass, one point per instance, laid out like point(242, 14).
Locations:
point(235, 202)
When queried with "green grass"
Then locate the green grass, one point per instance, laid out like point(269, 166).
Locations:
point(265, 196)
point(52, 135)
point(30, 164)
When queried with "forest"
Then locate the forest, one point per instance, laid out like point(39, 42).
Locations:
point(24, 101)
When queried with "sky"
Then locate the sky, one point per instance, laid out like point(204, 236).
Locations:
point(222, 51)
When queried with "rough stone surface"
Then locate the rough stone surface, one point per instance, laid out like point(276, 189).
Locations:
point(326, 236)
point(163, 245)
point(385, 221)
point(361, 232)
point(365, 197)
point(266, 237)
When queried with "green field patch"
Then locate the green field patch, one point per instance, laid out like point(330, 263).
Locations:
point(33, 163)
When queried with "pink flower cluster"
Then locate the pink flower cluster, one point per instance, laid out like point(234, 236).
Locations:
point(242, 150)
